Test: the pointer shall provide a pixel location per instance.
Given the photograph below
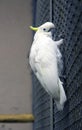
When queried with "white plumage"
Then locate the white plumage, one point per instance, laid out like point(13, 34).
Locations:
point(45, 59)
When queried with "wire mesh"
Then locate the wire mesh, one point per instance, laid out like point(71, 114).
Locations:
point(67, 17)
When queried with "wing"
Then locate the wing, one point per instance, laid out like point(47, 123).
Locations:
point(43, 61)
point(59, 57)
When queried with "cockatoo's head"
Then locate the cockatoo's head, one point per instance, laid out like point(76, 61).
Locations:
point(45, 28)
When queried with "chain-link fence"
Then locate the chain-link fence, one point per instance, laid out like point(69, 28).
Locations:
point(67, 17)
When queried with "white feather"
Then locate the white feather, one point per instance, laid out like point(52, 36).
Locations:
point(44, 59)
point(59, 57)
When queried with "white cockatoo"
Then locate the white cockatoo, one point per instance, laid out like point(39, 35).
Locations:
point(44, 59)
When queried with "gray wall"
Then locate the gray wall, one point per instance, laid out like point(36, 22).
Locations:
point(15, 40)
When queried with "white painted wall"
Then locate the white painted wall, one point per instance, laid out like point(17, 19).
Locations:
point(15, 41)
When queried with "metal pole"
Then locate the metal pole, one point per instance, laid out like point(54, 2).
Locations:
point(16, 118)
point(51, 113)
point(51, 99)
point(50, 10)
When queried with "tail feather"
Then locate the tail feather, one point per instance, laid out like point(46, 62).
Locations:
point(59, 106)
point(60, 103)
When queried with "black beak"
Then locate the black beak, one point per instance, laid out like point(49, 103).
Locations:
point(53, 31)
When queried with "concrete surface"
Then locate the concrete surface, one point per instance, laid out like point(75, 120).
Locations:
point(15, 80)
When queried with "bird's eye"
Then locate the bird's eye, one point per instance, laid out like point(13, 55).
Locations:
point(44, 29)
